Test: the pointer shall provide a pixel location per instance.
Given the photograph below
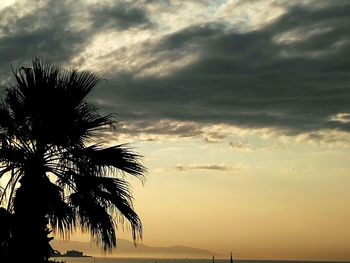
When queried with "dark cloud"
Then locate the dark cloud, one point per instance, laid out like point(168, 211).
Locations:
point(59, 30)
point(48, 33)
point(121, 16)
point(292, 75)
point(192, 36)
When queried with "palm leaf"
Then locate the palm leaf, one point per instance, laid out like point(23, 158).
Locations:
point(94, 218)
point(119, 157)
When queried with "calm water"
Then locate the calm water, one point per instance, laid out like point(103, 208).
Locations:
point(149, 260)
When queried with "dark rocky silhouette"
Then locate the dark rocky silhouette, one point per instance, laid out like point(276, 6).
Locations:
point(69, 253)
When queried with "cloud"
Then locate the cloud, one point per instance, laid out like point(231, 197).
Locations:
point(239, 145)
point(289, 73)
point(41, 31)
point(211, 167)
point(172, 128)
point(331, 138)
point(255, 79)
point(209, 140)
point(245, 146)
point(120, 16)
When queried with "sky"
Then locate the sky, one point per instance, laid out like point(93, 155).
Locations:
point(241, 109)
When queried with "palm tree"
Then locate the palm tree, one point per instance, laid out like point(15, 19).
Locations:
point(5, 232)
point(56, 177)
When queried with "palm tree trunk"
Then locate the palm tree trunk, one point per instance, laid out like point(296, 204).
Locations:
point(30, 240)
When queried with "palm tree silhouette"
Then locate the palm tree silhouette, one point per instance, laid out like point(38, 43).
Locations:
point(5, 231)
point(57, 179)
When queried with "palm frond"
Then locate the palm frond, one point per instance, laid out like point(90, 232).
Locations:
point(13, 155)
point(94, 218)
point(61, 216)
point(6, 121)
point(9, 189)
point(119, 157)
point(116, 194)
point(78, 84)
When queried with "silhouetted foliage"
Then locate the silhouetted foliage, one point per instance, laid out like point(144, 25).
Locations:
point(57, 178)
point(5, 231)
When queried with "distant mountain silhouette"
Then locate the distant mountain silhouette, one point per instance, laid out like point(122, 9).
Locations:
point(126, 248)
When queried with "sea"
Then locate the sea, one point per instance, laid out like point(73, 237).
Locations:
point(153, 260)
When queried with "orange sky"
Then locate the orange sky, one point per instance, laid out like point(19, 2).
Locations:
point(286, 202)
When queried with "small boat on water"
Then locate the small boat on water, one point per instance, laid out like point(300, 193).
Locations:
point(231, 259)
